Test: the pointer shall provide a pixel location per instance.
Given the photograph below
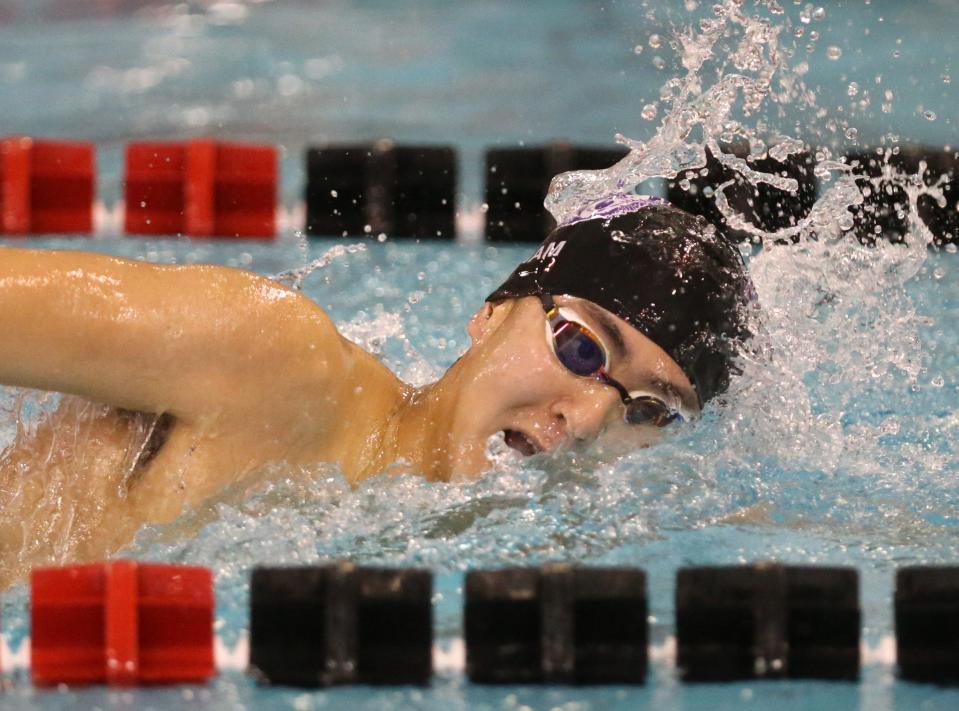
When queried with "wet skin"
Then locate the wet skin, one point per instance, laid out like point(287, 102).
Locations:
point(255, 373)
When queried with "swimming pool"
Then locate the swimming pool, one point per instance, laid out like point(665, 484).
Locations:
point(836, 448)
point(870, 487)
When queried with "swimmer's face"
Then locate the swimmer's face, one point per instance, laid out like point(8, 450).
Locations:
point(515, 383)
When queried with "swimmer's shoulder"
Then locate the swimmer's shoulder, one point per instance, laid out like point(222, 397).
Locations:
point(304, 376)
point(282, 344)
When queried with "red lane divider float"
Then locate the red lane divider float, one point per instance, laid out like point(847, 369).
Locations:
point(201, 188)
point(46, 186)
point(121, 623)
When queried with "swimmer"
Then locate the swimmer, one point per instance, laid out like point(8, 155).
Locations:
point(627, 317)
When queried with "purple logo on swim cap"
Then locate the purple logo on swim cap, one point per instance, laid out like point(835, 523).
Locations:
point(612, 206)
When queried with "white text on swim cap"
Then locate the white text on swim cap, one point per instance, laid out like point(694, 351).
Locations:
point(548, 251)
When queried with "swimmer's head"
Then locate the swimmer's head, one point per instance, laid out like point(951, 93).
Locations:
point(666, 273)
point(631, 311)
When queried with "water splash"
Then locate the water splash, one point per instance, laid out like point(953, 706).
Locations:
point(703, 120)
point(295, 278)
point(63, 479)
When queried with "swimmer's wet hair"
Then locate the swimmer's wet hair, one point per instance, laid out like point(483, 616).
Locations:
point(665, 272)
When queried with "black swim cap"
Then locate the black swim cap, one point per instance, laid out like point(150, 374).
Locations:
point(665, 272)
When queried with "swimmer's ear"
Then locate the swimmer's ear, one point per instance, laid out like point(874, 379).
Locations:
point(486, 319)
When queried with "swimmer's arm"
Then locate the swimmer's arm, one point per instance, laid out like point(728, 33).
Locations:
point(194, 341)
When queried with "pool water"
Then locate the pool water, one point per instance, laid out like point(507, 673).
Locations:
point(834, 447)
point(860, 471)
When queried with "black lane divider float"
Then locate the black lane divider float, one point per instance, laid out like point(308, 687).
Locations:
point(341, 624)
point(517, 180)
point(927, 623)
point(205, 188)
point(381, 188)
point(767, 621)
point(125, 623)
point(556, 624)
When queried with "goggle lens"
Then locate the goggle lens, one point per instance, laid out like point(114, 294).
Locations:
point(583, 354)
point(650, 411)
point(577, 350)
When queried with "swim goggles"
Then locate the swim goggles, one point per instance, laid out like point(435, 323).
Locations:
point(583, 353)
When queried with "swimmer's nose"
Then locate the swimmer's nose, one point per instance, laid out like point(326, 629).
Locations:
point(586, 414)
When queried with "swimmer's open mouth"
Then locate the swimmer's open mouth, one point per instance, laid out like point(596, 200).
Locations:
point(520, 442)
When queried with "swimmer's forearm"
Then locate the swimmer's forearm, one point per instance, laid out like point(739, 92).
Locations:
point(192, 341)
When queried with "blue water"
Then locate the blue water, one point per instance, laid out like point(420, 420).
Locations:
point(837, 450)
point(638, 512)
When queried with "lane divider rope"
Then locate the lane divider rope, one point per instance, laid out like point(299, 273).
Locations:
point(449, 657)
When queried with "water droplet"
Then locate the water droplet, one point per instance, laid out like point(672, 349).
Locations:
point(638, 49)
point(813, 35)
point(805, 15)
point(929, 115)
point(819, 13)
point(655, 41)
point(659, 62)
point(691, 5)
point(833, 52)
point(946, 79)
point(799, 31)
point(333, 193)
point(649, 112)
point(853, 89)
point(896, 54)
point(851, 133)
